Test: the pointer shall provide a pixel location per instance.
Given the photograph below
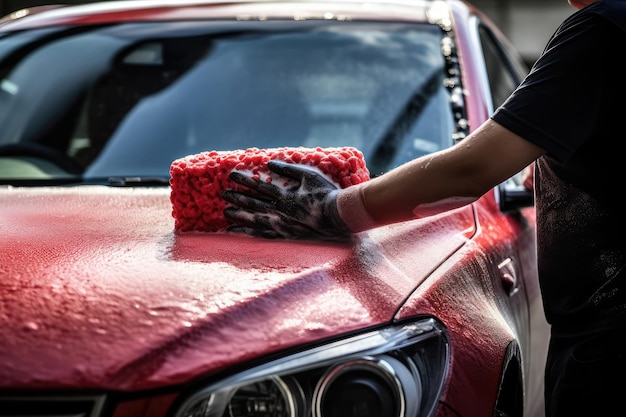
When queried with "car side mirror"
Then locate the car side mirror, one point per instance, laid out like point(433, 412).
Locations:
point(517, 192)
point(512, 197)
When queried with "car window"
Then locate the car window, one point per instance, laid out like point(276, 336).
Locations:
point(128, 100)
point(504, 70)
point(9, 43)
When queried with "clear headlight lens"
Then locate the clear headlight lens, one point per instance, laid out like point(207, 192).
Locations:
point(397, 371)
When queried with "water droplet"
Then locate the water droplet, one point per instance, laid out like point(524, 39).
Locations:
point(31, 325)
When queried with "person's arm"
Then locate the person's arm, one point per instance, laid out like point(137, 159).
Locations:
point(425, 186)
point(449, 178)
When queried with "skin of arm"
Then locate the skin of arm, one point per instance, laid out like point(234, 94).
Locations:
point(441, 181)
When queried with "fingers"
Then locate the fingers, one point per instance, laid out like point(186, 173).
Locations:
point(273, 211)
point(297, 172)
point(272, 226)
point(247, 218)
point(248, 201)
point(309, 177)
point(266, 225)
point(285, 169)
point(306, 176)
point(267, 234)
point(247, 180)
point(244, 179)
point(253, 224)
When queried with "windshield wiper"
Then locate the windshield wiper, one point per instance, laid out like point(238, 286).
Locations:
point(390, 141)
point(133, 181)
point(42, 152)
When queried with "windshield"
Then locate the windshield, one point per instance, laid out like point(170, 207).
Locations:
point(126, 100)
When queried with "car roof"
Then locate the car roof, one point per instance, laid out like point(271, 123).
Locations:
point(171, 10)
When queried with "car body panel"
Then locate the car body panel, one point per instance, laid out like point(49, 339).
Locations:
point(472, 309)
point(478, 105)
point(69, 278)
point(133, 11)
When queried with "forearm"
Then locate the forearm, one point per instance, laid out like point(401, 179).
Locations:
point(353, 210)
point(398, 196)
point(438, 182)
point(423, 187)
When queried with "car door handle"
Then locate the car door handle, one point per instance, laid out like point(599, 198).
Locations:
point(508, 275)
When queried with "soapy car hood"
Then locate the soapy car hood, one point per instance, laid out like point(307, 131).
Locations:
point(98, 291)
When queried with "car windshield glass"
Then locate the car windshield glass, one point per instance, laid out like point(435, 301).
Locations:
point(126, 100)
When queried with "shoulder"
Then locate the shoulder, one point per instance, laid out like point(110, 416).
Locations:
point(603, 14)
point(589, 33)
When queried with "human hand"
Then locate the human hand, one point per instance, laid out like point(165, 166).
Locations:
point(306, 210)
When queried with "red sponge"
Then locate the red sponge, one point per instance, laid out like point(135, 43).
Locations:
point(197, 180)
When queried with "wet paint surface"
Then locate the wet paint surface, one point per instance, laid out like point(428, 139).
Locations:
point(482, 318)
point(98, 291)
point(100, 13)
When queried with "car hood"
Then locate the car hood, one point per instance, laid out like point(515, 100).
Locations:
point(98, 291)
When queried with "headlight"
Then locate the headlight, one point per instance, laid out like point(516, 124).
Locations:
point(396, 371)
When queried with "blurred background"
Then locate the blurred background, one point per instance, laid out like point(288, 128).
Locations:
point(528, 23)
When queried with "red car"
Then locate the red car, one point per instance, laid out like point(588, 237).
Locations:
point(107, 311)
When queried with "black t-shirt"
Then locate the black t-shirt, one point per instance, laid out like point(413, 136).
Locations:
point(573, 105)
